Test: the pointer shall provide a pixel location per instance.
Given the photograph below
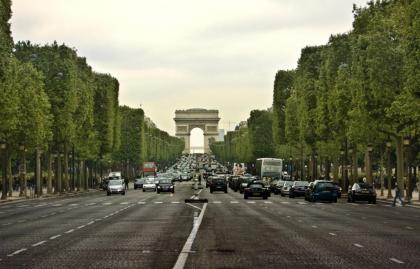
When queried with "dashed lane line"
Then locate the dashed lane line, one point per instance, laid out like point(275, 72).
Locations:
point(358, 245)
point(217, 202)
point(107, 203)
point(314, 226)
point(396, 260)
point(268, 202)
point(39, 243)
point(251, 202)
point(69, 231)
point(90, 223)
point(17, 252)
point(332, 234)
point(234, 202)
point(175, 202)
point(81, 226)
point(55, 236)
point(158, 202)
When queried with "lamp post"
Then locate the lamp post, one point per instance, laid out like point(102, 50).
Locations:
point(291, 167)
point(316, 165)
point(369, 166)
point(388, 167)
point(406, 143)
point(22, 171)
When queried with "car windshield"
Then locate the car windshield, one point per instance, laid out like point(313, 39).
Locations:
point(254, 185)
point(150, 181)
point(324, 186)
point(288, 183)
point(165, 181)
point(115, 182)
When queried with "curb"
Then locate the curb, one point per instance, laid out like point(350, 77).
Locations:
point(386, 201)
point(47, 197)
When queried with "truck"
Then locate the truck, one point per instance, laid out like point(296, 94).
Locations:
point(149, 169)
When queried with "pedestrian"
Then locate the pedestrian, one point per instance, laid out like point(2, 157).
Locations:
point(397, 195)
point(126, 183)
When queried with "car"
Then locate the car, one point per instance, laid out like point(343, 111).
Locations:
point(273, 185)
point(184, 176)
point(243, 182)
point(286, 188)
point(298, 189)
point(232, 182)
point(338, 189)
point(104, 184)
point(116, 186)
point(149, 185)
point(138, 183)
point(255, 189)
point(218, 184)
point(361, 192)
point(322, 190)
point(278, 186)
point(165, 185)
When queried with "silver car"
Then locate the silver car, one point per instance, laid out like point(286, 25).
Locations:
point(149, 185)
point(116, 186)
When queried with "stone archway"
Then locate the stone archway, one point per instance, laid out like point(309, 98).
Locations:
point(206, 120)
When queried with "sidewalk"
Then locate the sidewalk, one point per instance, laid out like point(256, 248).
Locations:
point(31, 195)
point(414, 201)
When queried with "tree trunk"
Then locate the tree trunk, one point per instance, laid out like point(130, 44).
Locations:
point(9, 175)
point(328, 168)
point(4, 180)
point(66, 169)
point(49, 172)
point(355, 170)
point(22, 174)
point(59, 174)
point(368, 167)
point(335, 169)
point(400, 164)
point(82, 175)
point(38, 173)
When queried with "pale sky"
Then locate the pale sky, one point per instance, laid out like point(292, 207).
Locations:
point(180, 54)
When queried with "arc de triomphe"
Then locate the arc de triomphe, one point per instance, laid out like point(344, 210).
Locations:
point(206, 120)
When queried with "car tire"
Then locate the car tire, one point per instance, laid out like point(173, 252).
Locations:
point(211, 190)
point(374, 201)
point(265, 197)
point(245, 196)
point(226, 190)
point(123, 193)
point(108, 194)
point(291, 195)
point(135, 187)
point(282, 194)
point(335, 200)
point(144, 190)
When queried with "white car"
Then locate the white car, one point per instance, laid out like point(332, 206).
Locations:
point(149, 184)
point(116, 186)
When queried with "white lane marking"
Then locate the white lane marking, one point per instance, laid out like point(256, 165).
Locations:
point(5, 224)
point(217, 202)
point(267, 202)
point(354, 204)
point(73, 204)
point(23, 206)
point(141, 203)
point(409, 228)
point(284, 202)
point(358, 245)
point(196, 207)
point(234, 202)
point(91, 204)
point(175, 202)
point(396, 260)
point(89, 223)
point(124, 203)
point(55, 236)
point(81, 226)
point(107, 203)
point(158, 202)
point(199, 191)
point(17, 252)
point(251, 202)
point(69, 231)
point(39, 243)
point(182, 258)
point(333, 234)
point(302, 203)
point(57, 205)
point(314, 226)
point(300, 220)
point(145, 251)
point(98, 219)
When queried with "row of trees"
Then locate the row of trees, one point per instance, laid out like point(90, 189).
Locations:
point(355, 100)
point(54, 108)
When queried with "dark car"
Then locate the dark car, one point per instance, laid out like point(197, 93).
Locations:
point(138, 183)
point(243, 183)
point(104, 184)
point(298, 189)
point(218, 184)
point(322, 190)
point(165, 185)
point(338, 189)
point(361, 192)
point(256, 189)
point(278, 186)
point(233, 182)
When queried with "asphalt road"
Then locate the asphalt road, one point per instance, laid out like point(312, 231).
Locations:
point(149, 230)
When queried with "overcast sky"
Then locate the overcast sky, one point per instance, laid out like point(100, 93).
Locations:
point(179, 54)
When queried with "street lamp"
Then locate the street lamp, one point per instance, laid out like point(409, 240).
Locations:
point(351, 164)
point(369, 168)
point(342, 151)
point(291, 167)
point(316, 165)
point(4, 182)
point(406, 143)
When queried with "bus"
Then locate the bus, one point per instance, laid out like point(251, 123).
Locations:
point(269, 168)
point(149, 169)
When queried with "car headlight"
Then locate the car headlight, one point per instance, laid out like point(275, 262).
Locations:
point(159, 187)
